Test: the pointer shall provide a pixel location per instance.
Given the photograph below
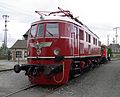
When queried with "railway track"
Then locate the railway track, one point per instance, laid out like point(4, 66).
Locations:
point(45, 90)
point(48, 90)
point(24, 87)
point(6, 70)
point(20, 90)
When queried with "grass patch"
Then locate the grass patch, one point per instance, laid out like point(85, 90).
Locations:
point(5, 57)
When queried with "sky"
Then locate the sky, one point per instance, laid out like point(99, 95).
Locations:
point(101, 16)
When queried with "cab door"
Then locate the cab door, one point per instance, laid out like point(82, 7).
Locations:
point(75, 44)
point(76, 41)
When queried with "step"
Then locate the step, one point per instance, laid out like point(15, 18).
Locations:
point(75, 65)
point(76, 61)
point(76, 68)
point(76, 75)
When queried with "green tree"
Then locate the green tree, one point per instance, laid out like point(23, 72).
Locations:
point(3, 48)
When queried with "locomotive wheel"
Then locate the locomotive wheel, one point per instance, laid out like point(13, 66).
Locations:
point(91, 67)
point(104, 60)
point(17, 68)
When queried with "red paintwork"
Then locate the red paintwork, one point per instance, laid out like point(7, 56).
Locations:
point(69, 45)
point(104, 52)
point(54, 79)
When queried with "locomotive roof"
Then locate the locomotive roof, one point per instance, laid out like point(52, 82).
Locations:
point(69, 18)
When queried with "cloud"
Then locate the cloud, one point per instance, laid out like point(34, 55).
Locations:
point(100, 16)
point(17, 28)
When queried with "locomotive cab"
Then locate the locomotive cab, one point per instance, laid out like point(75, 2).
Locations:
point(47, 45)
point(45, 40)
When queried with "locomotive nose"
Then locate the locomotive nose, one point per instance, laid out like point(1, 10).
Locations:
point(17, 68)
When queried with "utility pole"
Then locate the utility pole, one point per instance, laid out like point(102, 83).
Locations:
point(107, 40)
point(116, 29)
point(5, 33)
point(113, 41)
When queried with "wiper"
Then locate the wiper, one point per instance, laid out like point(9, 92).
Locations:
point(49, 33)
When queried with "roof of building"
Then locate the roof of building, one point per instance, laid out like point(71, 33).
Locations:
point(19, 44)
point(114, 46)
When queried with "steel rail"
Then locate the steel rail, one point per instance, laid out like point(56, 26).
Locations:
point(6, 70)
point(20, 90)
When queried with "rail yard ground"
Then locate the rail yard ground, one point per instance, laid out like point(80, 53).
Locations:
point(8, 65)
point(103, 81)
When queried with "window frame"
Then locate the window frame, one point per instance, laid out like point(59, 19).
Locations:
point(35, 30)
point(39, 30)
point(81, 34)
point(18, 54)
point(54, 35)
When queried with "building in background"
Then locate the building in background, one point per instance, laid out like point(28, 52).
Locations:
point(19, 50)
point(115, 50)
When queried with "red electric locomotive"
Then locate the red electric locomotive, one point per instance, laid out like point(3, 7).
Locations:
point(59, 47)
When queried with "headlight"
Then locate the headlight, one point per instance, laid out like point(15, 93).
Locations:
point(56, 52)
point(38, 51)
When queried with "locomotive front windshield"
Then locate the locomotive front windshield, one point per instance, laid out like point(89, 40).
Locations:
point(41, 29)
point(52, 30)
point(45, 29)
point(33, 30)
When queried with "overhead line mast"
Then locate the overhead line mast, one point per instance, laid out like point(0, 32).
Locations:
point(5, 33)
point(116, 29)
